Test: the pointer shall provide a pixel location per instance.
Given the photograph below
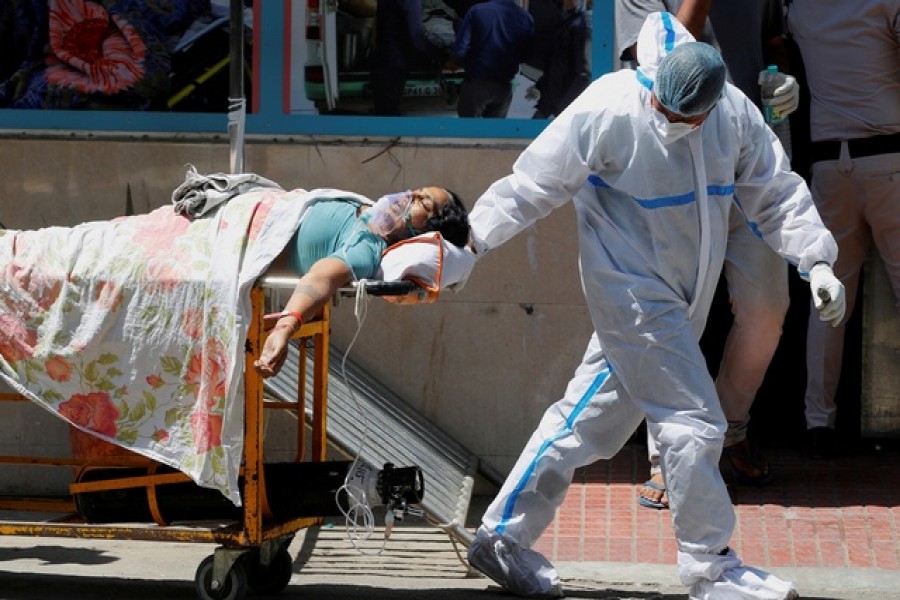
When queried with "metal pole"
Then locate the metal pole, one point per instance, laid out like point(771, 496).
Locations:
point(237, 104)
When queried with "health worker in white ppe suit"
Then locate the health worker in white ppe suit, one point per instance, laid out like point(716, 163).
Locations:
point(654, 161)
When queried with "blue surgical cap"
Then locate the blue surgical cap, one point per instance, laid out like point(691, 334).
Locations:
point(690, 79)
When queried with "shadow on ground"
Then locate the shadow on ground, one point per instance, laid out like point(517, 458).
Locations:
point(15, 586)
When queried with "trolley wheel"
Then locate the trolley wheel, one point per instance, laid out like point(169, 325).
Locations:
point(233, 588)
point(268, 580)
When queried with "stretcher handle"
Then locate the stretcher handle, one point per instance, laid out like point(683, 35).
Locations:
point(376, 287)
point(399, 287)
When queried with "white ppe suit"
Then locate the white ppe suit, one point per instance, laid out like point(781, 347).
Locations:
point(652, 227)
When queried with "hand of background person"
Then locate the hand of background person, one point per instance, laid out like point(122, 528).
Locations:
point(786, 97)
point(451, 65)
point(828, 294)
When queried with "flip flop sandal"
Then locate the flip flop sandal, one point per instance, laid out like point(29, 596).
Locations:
point(647, 502)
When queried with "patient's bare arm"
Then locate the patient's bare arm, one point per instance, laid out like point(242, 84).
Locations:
point(313, 290)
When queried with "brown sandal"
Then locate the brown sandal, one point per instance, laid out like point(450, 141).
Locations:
point(747, 464)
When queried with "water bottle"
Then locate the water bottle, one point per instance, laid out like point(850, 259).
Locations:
point(769, 80)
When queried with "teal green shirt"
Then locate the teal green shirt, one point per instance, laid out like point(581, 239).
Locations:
point(331, 229)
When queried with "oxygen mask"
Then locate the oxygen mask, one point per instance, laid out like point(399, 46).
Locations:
point(389, 214)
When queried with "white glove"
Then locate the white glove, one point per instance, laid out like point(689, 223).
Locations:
point(786, 97)
point(828, 294)
point(458, 266)
point(533, 94)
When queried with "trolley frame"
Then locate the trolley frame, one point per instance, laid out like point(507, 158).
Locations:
point(258, 529)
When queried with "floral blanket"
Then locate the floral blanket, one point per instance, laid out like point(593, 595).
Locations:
point(133, 329)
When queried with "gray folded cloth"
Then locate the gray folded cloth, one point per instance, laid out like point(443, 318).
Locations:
point(200, 194)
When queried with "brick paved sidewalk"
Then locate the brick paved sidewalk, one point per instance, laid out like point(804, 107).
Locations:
point(832, 514)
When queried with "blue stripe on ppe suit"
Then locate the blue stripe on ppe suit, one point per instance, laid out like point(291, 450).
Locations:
point(711, 190)
point(565, 431)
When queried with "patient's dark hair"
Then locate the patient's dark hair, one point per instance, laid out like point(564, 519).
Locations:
point(452, 221)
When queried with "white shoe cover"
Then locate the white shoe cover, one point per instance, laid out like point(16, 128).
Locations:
point(520, 571)
point(724, 577)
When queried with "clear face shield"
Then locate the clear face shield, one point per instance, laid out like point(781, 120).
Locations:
point(390, 214)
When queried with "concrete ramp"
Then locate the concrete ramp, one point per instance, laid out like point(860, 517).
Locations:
point(362, 413)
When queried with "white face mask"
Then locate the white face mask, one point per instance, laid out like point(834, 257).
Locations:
point(389, 213)
point(669, 132)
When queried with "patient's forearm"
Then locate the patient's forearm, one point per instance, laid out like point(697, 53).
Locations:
point(307, 299)
point(313, 290)
point(317, 287)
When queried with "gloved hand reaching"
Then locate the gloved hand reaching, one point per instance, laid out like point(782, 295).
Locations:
point(459, 266)
point(828, 294)
point(786, 97)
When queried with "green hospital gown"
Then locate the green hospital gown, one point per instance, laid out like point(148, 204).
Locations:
point(331, 229)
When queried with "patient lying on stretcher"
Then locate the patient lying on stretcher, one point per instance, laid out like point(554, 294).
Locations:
point(133, 329)
point(339, 242)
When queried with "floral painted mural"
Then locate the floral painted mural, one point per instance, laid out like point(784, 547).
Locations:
point(113, 54)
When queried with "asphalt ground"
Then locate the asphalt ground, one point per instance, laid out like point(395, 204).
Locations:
point(418, 561)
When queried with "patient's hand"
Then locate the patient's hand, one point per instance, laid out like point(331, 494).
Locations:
point(274, 352)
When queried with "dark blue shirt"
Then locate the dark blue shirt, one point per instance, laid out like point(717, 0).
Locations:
point(567, 71)
point(494, 38)
point(399, 34)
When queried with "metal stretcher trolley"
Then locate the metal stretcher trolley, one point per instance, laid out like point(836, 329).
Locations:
point(253, 545)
